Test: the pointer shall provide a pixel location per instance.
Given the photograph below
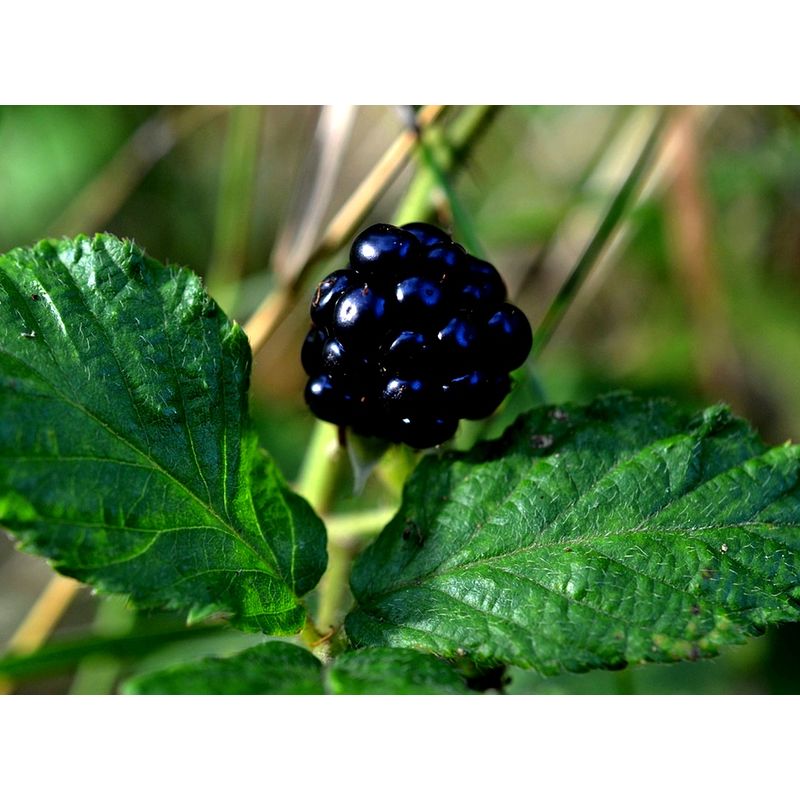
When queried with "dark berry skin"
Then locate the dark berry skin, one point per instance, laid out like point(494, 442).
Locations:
point(509, 336)
point(382, 249)
point(460, 343)
point(401, 397)
point(330, 401)
point(476, 394)
point(337, 359)
point(440, 260)
point(360, 317)
point(421, 432)
point(476, 285)
point(328, 292)
point(413, 336)
point(420, 300)
point(427, 235)
point(311, 352)
point(408, 347)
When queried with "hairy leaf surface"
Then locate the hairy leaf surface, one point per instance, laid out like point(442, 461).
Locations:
point(589, 536)
point(126, 454)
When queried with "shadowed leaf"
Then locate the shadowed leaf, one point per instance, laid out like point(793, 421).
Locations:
point(126, 453)
point(589, 536)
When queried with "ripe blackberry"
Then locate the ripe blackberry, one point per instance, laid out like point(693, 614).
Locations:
point(413, 336)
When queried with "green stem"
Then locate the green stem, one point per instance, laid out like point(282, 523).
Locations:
point(461, 136)
point(60, 657)
point(316, 482)
point(334, 591)
point(433, 153)
point(625, 682)
point(98, 673)
point(234, 205)
point(320, 468)
point(318, 475)
point(576, 193)
point(616, 211)
point(347, 529)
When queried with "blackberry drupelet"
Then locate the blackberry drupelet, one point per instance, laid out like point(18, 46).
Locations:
point(413, 336)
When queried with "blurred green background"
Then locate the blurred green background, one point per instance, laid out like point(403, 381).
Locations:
point(696, 296)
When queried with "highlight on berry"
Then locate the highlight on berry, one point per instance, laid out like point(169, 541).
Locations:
point(413, 336)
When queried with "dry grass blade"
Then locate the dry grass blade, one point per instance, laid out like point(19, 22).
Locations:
point(608, 226)
point(451, 148)
point(41, 620)
point(718, 362)
point(106, 194)
point(237, 183)
point(344, 224)
point(299, 233)
point(278, 303)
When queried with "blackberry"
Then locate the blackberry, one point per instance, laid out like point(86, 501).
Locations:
point(328, 292)
point(383, 250)
point(414, 335)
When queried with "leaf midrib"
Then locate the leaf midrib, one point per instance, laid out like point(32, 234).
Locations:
point(154, 464)
point(439, 571)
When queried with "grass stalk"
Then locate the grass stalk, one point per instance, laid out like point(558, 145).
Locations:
point(614, 215)
point(279, 302)
point(238, 174)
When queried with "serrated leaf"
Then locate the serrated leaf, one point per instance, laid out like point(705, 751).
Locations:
point(269, 668)
point(386, 670)
point(282, 668)
point(589, 536)
point(126, 453)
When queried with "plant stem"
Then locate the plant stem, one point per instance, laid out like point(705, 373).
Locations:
point(40, 621)
point(616, 211)
point(316, 482)
point(234, 203)
point(461, 136)
point(320, 468)
point(334, 590)
point(97, 673)
point(346, 532)
point(61, 657)
point(279, 302)
point(100, 199)
point(433, 152)
point(350, 529)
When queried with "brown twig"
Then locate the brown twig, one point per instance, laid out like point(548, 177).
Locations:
point(278, 302)
point(41, 620)
point(718, 363)
point(102, 197)
point(295, 241)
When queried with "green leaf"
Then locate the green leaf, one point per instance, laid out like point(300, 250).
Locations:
point(386, 670)
point(282, 668)
point(590, 536)
point(126, 452)
point(269, 668)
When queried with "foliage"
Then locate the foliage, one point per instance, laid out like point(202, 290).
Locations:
point(595, 534)
point(124, 380)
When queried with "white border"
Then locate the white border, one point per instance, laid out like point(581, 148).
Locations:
point(505, 51)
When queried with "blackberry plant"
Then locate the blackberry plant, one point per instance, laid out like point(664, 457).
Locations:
point(413, 336)
point(586, 536)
